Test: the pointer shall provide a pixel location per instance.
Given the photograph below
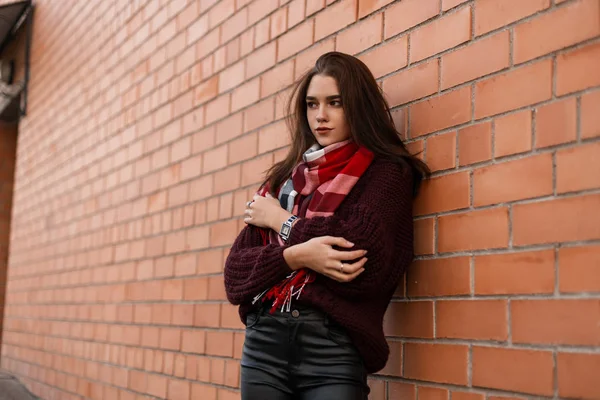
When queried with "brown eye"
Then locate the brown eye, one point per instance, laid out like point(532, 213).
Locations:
point(311, 104)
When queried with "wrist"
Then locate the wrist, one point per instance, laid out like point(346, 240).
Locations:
point(279, 219)
point(293, 256)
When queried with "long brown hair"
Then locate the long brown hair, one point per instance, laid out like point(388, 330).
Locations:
point(366, 111)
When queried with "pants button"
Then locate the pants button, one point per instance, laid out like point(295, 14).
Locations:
point(295, 313)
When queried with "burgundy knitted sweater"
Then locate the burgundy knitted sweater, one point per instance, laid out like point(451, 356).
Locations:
point(376, 216)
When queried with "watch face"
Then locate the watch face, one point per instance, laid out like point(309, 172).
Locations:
point(285, 230)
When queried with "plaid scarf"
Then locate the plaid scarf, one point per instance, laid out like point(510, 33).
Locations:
point(317, 187)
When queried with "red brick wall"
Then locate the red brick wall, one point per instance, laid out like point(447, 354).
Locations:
point(149, 125)
point(8, 147)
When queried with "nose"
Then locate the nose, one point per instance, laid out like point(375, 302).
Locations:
point(322, 114)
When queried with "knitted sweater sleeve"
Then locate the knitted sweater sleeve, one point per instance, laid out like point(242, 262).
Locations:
point(252, 267)
point(380, 222)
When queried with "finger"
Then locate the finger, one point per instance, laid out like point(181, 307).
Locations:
point(344, 277)
point(268, 195)
point(338, 241)
point(352, 268)
point(345, 255)
point(256, 197)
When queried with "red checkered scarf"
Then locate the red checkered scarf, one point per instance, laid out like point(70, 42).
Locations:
point(328, 174)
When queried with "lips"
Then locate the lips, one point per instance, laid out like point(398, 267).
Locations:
point(323, 130)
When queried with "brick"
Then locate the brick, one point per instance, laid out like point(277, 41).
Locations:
point(407, 14)
point(412, 83)
point(450, 361)
point(227, 179)
point(223, 233)
point(439, 277)
point(243, 148)
point(295, 12)
point(590, 117)
point(262, 33)
point(514, 180)
point(229, 128)
point(402, 391)
point(231, 77)
point(259, 114)
point(449, 4)
point(295, 40)
point(441, 112)
point(557, 220)
point(409, 319)
point(572, 166)
point(218, 108)
point(431, 393)
point(514, 89)
point(207, 315)
point(570, 64)
point(507, 369)
point(556, 123)
point(219, 343)
point(253, 170)
point(179, 390)
point(444, 193)
point(245, 95)
point(441, 151)
point(278, 22)
point(335, 18)
point(234, 25)
point(277, 79)
point(515, 273)
point(259, 9)
point(475, 60)
point(577, 375)
point(441, 34)
point(512, 133)
point(379, 61)
point(273, 137)
point(261, 60)
point(475, 143)
point(484, 229)
point(424, 236)
point(579, 269)
point(313, 6)
point(394, 364)
point(203, 391)
point(490, 14)
point(472, 319)
point(207, 44)
point(361, 36)
point(569, 322)
point(306, 60)
point(220, 12)
point(560, 28)
point(215, 159)
point(467, 396)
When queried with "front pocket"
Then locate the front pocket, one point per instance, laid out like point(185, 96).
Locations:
point(338, 334)
point(251, 319)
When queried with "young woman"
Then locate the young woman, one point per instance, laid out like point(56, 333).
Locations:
point(328, 237)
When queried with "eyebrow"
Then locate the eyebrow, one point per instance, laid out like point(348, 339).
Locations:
point(334, 97)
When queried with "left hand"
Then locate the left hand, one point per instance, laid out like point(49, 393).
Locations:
point(265, 212)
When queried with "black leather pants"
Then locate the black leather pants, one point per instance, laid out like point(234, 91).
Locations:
point(300, 355)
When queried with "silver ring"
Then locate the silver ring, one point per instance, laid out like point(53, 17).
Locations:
point(249, 202)
point(342, 267)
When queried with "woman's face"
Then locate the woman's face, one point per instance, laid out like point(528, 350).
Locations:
point(325, 111)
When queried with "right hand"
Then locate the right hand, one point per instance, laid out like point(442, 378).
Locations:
point(319, 255)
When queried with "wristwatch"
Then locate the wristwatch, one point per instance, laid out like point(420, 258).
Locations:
point(286, 228)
